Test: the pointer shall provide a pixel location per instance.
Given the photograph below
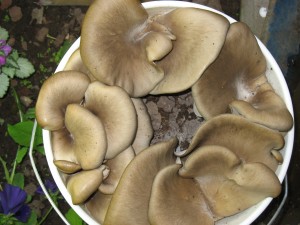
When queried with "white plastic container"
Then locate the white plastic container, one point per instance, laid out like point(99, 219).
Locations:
point(276, 79)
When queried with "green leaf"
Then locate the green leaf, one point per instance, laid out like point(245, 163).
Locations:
point(3, 34)
point(4, 84)
point(73, 218)
point(19, 180)
point(21, 154)
point(9, 71)
point(40, 149)
point(25, 68)
point(11, 61)
point(21, 133)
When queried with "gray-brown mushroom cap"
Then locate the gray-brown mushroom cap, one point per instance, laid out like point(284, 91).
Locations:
point(89, 136)
point(84, 183)
point(59, 90)
point(200, 35)
point(228, 184)
point(236, 81)
point(251, 142)
point(129, 204)
point(175, 199)
point(119, 45)
point(113, 106)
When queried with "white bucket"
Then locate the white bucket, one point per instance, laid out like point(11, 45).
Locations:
point(276, 79)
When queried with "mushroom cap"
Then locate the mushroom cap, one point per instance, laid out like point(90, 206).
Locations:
point(200, 35)
point(236, 81)
point(129, 204)
point(75, 63)
point(119, 45)
point(251, 142)
point(89, 137)
point(235, 74)
point(59, 90)
point(97, 206)
point(266, 108)
point(83, 184)
point(116, 168)
point(228, 184)
point(113, 106)
point(145, 131)
point(67, 166)
point(176, 200)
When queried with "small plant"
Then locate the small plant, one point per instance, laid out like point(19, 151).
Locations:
point(11, 64)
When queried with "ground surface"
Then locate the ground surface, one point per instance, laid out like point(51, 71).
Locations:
point(38, 35)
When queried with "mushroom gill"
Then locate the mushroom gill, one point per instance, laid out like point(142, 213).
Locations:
point(239, 85)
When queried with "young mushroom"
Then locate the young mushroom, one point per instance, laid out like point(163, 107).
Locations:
point(59, 90)
point(239, 85)
point(119, 45)
point(83, 184)
point(129, 204)
point(229, 184)
point(113, 106)
point(251, 142)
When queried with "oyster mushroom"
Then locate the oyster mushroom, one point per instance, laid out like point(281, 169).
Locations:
point(83, 184)
point(113, 106)
point(88, 136)
point(145, 131)
point(59, 90)
point(177, 200)
point(75, 63)
point(236, 82)
point(251, 142)
point(126, 44)
point(200, 35)
point(230, 185)
point(116, 168)
point(129, 204)
point(97, 205)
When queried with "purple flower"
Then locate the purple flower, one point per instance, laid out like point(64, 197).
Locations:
point(50, 186)
point(12, 202)
point(5, 49)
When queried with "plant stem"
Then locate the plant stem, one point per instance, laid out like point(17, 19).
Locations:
point(7, 178)
point(21, 114)
point(45, 216)
point(12, 175)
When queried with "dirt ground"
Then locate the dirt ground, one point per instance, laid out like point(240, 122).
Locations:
point(38, 35)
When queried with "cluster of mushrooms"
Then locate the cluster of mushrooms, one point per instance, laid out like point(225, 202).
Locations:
point(101, 130)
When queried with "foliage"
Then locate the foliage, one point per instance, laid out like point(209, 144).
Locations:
point(11, 64)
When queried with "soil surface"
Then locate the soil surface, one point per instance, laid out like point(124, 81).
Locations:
point(38, 33)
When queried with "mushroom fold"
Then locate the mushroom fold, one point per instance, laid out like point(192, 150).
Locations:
point(228, 184)
point(239, 85)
